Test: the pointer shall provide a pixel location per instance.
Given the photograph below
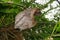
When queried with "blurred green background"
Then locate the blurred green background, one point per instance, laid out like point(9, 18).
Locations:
point(44, 30)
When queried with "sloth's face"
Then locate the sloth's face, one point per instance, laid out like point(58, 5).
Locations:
point(37, 13)
point(33, 12)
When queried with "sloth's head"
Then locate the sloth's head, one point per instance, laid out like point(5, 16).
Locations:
point(35, 12)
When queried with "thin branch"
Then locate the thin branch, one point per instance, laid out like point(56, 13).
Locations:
point(13, 4)
point(55, 35)
point(50, 9)
point(45, 5)
point(10, 35)
point(3, 35)
point(6, 36)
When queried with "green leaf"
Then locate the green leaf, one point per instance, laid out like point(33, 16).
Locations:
point(58, 26)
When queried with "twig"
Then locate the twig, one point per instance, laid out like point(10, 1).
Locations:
point(13, 4)
point(6, 36)
point(50, 9)
point(10, 35)
point(3, 36)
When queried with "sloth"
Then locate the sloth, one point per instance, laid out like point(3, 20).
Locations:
point(25, 19)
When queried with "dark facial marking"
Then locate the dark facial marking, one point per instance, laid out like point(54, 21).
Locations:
point(37, 13)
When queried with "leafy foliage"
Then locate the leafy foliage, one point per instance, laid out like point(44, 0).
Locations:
point(44, 28)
